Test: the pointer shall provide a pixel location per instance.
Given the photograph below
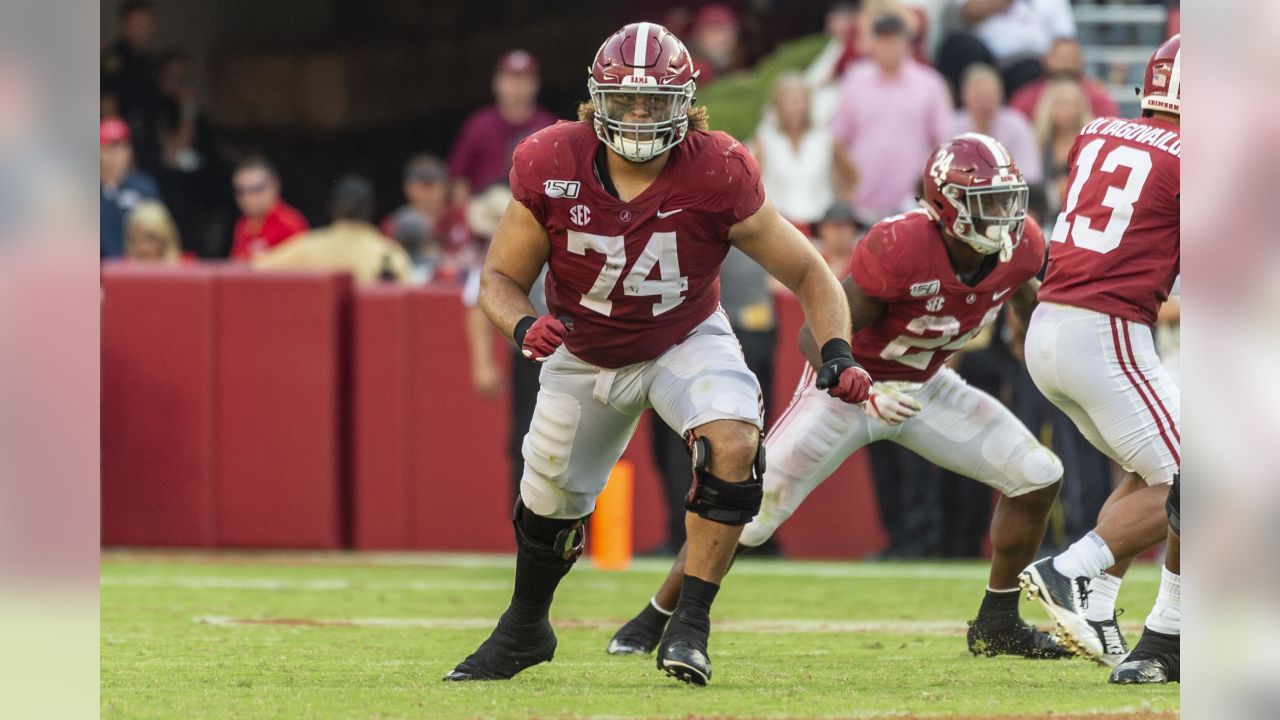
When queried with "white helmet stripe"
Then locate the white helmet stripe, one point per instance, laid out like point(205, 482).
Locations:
point(641, 58)
point(997, 150)
point(1175, 75)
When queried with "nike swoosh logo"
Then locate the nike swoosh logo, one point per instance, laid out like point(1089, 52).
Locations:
point(669, 213)
point(1002, 293)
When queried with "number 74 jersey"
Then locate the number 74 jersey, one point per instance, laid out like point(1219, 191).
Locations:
point(635, 277)
point(1115, 246)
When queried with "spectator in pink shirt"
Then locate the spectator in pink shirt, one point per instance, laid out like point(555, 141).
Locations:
point(983, 110)
point(892, 112)
point(1065, 59)
point(481, 155)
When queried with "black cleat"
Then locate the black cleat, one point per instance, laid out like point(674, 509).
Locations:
point(1155, 659)
point(1064, 599)
point(682, 654)
point(641, 634)
point(682, 660)
point(1013, 637)
point(509, 649)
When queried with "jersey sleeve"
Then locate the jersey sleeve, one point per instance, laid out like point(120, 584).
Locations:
point(872, 266)
point(747, 189)
point(525, 179)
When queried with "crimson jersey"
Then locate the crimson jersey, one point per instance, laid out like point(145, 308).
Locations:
point(636, 277)
point(1115, 246)
point(929, 313)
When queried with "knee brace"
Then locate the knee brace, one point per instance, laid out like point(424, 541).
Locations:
point(1172, 506)
point(728, 503)
point(557, 543)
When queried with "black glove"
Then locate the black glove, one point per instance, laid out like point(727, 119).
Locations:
point(840, 375)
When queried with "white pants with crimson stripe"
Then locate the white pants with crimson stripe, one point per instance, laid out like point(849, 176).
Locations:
point(960, 428)
point(1103, 372)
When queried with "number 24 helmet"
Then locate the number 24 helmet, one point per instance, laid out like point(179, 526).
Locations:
point(642, 83)
point(973, 189)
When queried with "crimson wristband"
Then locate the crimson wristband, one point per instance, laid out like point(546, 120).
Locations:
point(522, 327)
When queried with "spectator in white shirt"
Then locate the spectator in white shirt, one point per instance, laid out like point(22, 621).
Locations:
point(802, 165)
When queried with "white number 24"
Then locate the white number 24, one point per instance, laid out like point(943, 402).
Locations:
point(660, 251)
point(1119, 199)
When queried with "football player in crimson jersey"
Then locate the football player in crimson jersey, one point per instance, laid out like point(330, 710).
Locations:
point(1113, 258)
point(634, 208)
point(920, 286)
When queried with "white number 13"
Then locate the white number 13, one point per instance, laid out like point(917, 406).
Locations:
point(660, 251)
point(1119, 199)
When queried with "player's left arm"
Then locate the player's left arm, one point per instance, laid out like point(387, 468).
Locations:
point(1023, 302)
point(784, 253)
point(766, 237)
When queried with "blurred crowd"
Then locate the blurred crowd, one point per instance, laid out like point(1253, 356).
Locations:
point(841, 144)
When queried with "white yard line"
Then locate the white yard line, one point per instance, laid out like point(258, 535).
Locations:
point(923, 570)
point(783, 625)
point(310, 585)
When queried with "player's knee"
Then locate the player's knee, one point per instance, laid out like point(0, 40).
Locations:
point(541, 495)
point(756, 533)
point(1041, 471)
point(717, 499)
point(549, 442)
point(733, 446)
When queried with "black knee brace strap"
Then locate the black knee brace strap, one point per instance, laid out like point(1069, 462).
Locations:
point(1173, 505)
point(717, 500)
point(548, 540)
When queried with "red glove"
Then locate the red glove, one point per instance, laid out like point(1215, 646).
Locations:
point(841, 376)
point(538, 338)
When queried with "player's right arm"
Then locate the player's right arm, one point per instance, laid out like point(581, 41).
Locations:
point(863, 308)
point(519, 249)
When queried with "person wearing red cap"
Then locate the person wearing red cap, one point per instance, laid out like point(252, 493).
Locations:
point(481, 155)
point(715, 42)
point(120, 187)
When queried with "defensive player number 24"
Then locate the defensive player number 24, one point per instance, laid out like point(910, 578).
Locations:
point(947, 328)
point(660, 250)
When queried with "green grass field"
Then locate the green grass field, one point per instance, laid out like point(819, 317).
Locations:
point(368, 636)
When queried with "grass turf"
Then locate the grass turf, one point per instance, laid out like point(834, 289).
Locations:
point(368, 636)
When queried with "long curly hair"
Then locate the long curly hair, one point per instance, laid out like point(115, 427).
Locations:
point(697, 115)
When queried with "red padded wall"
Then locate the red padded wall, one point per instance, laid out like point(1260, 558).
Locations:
point(281, 409)
point(381, 379)
point(157, 406)
point(238, 408)
point(839, 519)
point(458, 483)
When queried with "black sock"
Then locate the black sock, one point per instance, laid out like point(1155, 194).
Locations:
point(693, 610)
point(650, 617)
point(539, 568)
point(1000, 605)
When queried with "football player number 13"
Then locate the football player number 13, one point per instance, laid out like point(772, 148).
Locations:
point(661, 251)
point(1120, 199)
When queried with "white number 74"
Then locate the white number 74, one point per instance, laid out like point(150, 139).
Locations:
point(660, 251)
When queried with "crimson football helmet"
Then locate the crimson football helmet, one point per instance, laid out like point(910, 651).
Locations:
point(973, 189)
point(1162, 83)
point(642, 84)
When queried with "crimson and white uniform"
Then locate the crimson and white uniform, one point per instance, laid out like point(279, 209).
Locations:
point(640, 281)
point(1113, 258)
point(929, 315)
